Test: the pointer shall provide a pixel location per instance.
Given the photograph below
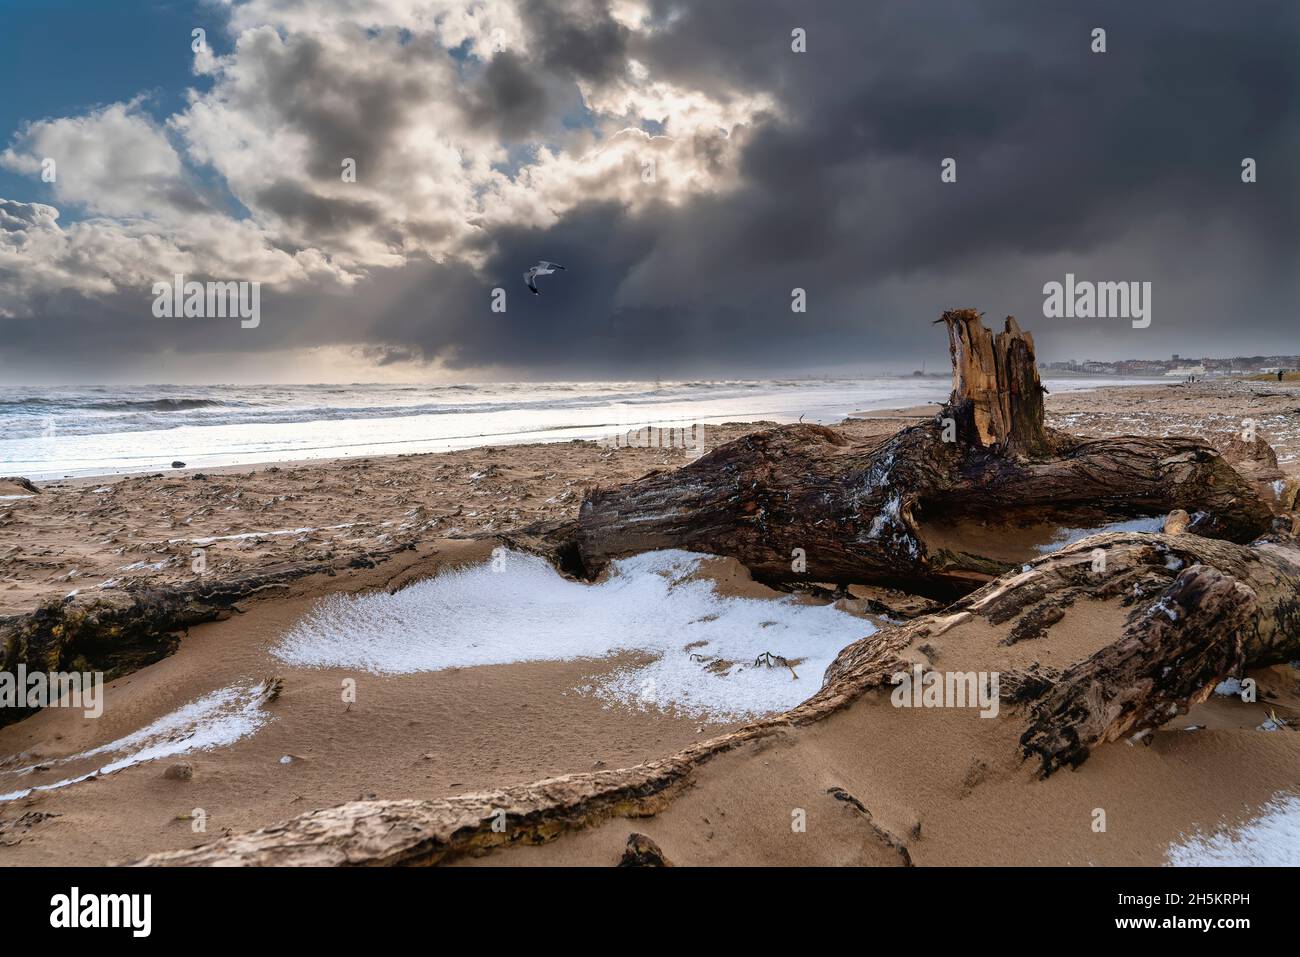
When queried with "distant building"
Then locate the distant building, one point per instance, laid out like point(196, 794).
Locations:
point(1177, 365)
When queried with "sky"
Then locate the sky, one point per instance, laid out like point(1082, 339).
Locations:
point(691, 165)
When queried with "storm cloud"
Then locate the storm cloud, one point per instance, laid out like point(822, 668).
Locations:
point(690, 169)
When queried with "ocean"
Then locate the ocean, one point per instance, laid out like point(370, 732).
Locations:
point(63, 432)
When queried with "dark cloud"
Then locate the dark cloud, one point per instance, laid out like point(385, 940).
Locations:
point(319, 216)
point(390, 355)
point(343, 109)
point(578, 38)
point(508, 99)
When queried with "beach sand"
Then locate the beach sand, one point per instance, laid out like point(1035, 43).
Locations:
point(947, 784)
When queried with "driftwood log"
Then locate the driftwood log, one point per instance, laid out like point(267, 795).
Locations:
point(1200, 611)
point(802, 503)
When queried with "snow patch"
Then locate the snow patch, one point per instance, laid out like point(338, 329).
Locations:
point(1068, 536)
point(1271, 839)
point(1228, 686)
point(704, 644)
point(217, 719)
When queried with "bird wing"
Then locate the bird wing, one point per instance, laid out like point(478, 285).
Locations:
point(528, 278)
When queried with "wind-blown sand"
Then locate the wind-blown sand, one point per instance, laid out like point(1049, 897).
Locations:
point(947, 784)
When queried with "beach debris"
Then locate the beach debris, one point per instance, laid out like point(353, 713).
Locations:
point(1274, 723)
point(769, 660)
point(18, 827)
point(882, 834)
point(641, 851)
point(881, 600)
point(543, 268)
point(1254, 458)
point(180, 771)
point(271, 689)
point(178, 464)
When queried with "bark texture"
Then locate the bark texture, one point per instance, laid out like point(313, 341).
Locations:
point(801, 503)
point(996, 392)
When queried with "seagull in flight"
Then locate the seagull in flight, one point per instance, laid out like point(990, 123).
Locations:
point(543, 268)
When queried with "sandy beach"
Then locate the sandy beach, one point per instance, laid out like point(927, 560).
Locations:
point(945, 785)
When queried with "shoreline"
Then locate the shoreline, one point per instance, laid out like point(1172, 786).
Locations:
point(205, 444)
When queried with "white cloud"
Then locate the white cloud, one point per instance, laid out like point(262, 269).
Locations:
point(114, 161)
point(435, 138)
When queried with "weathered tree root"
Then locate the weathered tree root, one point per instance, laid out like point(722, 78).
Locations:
point(803, 503)
point(418, 833)
point(1201, 610)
